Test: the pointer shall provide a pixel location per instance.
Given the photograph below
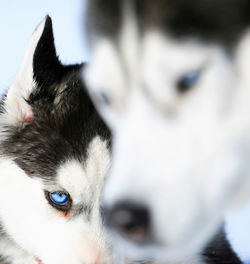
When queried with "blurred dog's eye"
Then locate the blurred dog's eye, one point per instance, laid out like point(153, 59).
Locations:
point(188, 81)
point(104, 98)
point(59, 199)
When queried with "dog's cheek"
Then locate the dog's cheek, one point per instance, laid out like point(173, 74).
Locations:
point(40, 229)
point(71, 241)
point(22, 204)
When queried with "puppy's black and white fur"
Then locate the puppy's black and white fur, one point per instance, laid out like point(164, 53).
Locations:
point(170, 77)
point(53, 144)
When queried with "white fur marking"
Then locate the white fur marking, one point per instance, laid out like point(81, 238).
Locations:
point(78, 178)
point(17, 109)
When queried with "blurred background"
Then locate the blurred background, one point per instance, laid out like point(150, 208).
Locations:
point(18, 20)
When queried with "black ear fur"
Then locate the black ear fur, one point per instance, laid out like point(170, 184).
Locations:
point(46, 65)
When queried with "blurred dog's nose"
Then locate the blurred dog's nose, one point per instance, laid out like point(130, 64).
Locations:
point(129, 220)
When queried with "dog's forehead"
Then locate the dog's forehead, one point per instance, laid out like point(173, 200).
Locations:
point(71, 176)
point(82, 179)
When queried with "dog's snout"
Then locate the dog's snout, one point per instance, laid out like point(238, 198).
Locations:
point(129, 220)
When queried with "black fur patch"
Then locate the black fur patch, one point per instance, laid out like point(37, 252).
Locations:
point(46, 65)
point(216, 21)
point(219, 251)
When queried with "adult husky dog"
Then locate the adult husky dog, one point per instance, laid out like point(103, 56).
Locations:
point(171, 79)
point(54, 154)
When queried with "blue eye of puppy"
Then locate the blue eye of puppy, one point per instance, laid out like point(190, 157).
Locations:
point(188, 81)
point(59, 200)
point(59, 197)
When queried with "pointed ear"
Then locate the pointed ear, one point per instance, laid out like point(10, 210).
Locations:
point(39, 64)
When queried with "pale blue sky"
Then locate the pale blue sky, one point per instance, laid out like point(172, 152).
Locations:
point(18, 19)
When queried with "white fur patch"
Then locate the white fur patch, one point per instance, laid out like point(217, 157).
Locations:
point(130, 45)
point(110, 80)
point(79, 179)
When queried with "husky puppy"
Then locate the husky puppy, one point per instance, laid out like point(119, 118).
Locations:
point(171, 78)
point(54, 153)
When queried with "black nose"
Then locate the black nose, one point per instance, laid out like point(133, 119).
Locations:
point(129, 220)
